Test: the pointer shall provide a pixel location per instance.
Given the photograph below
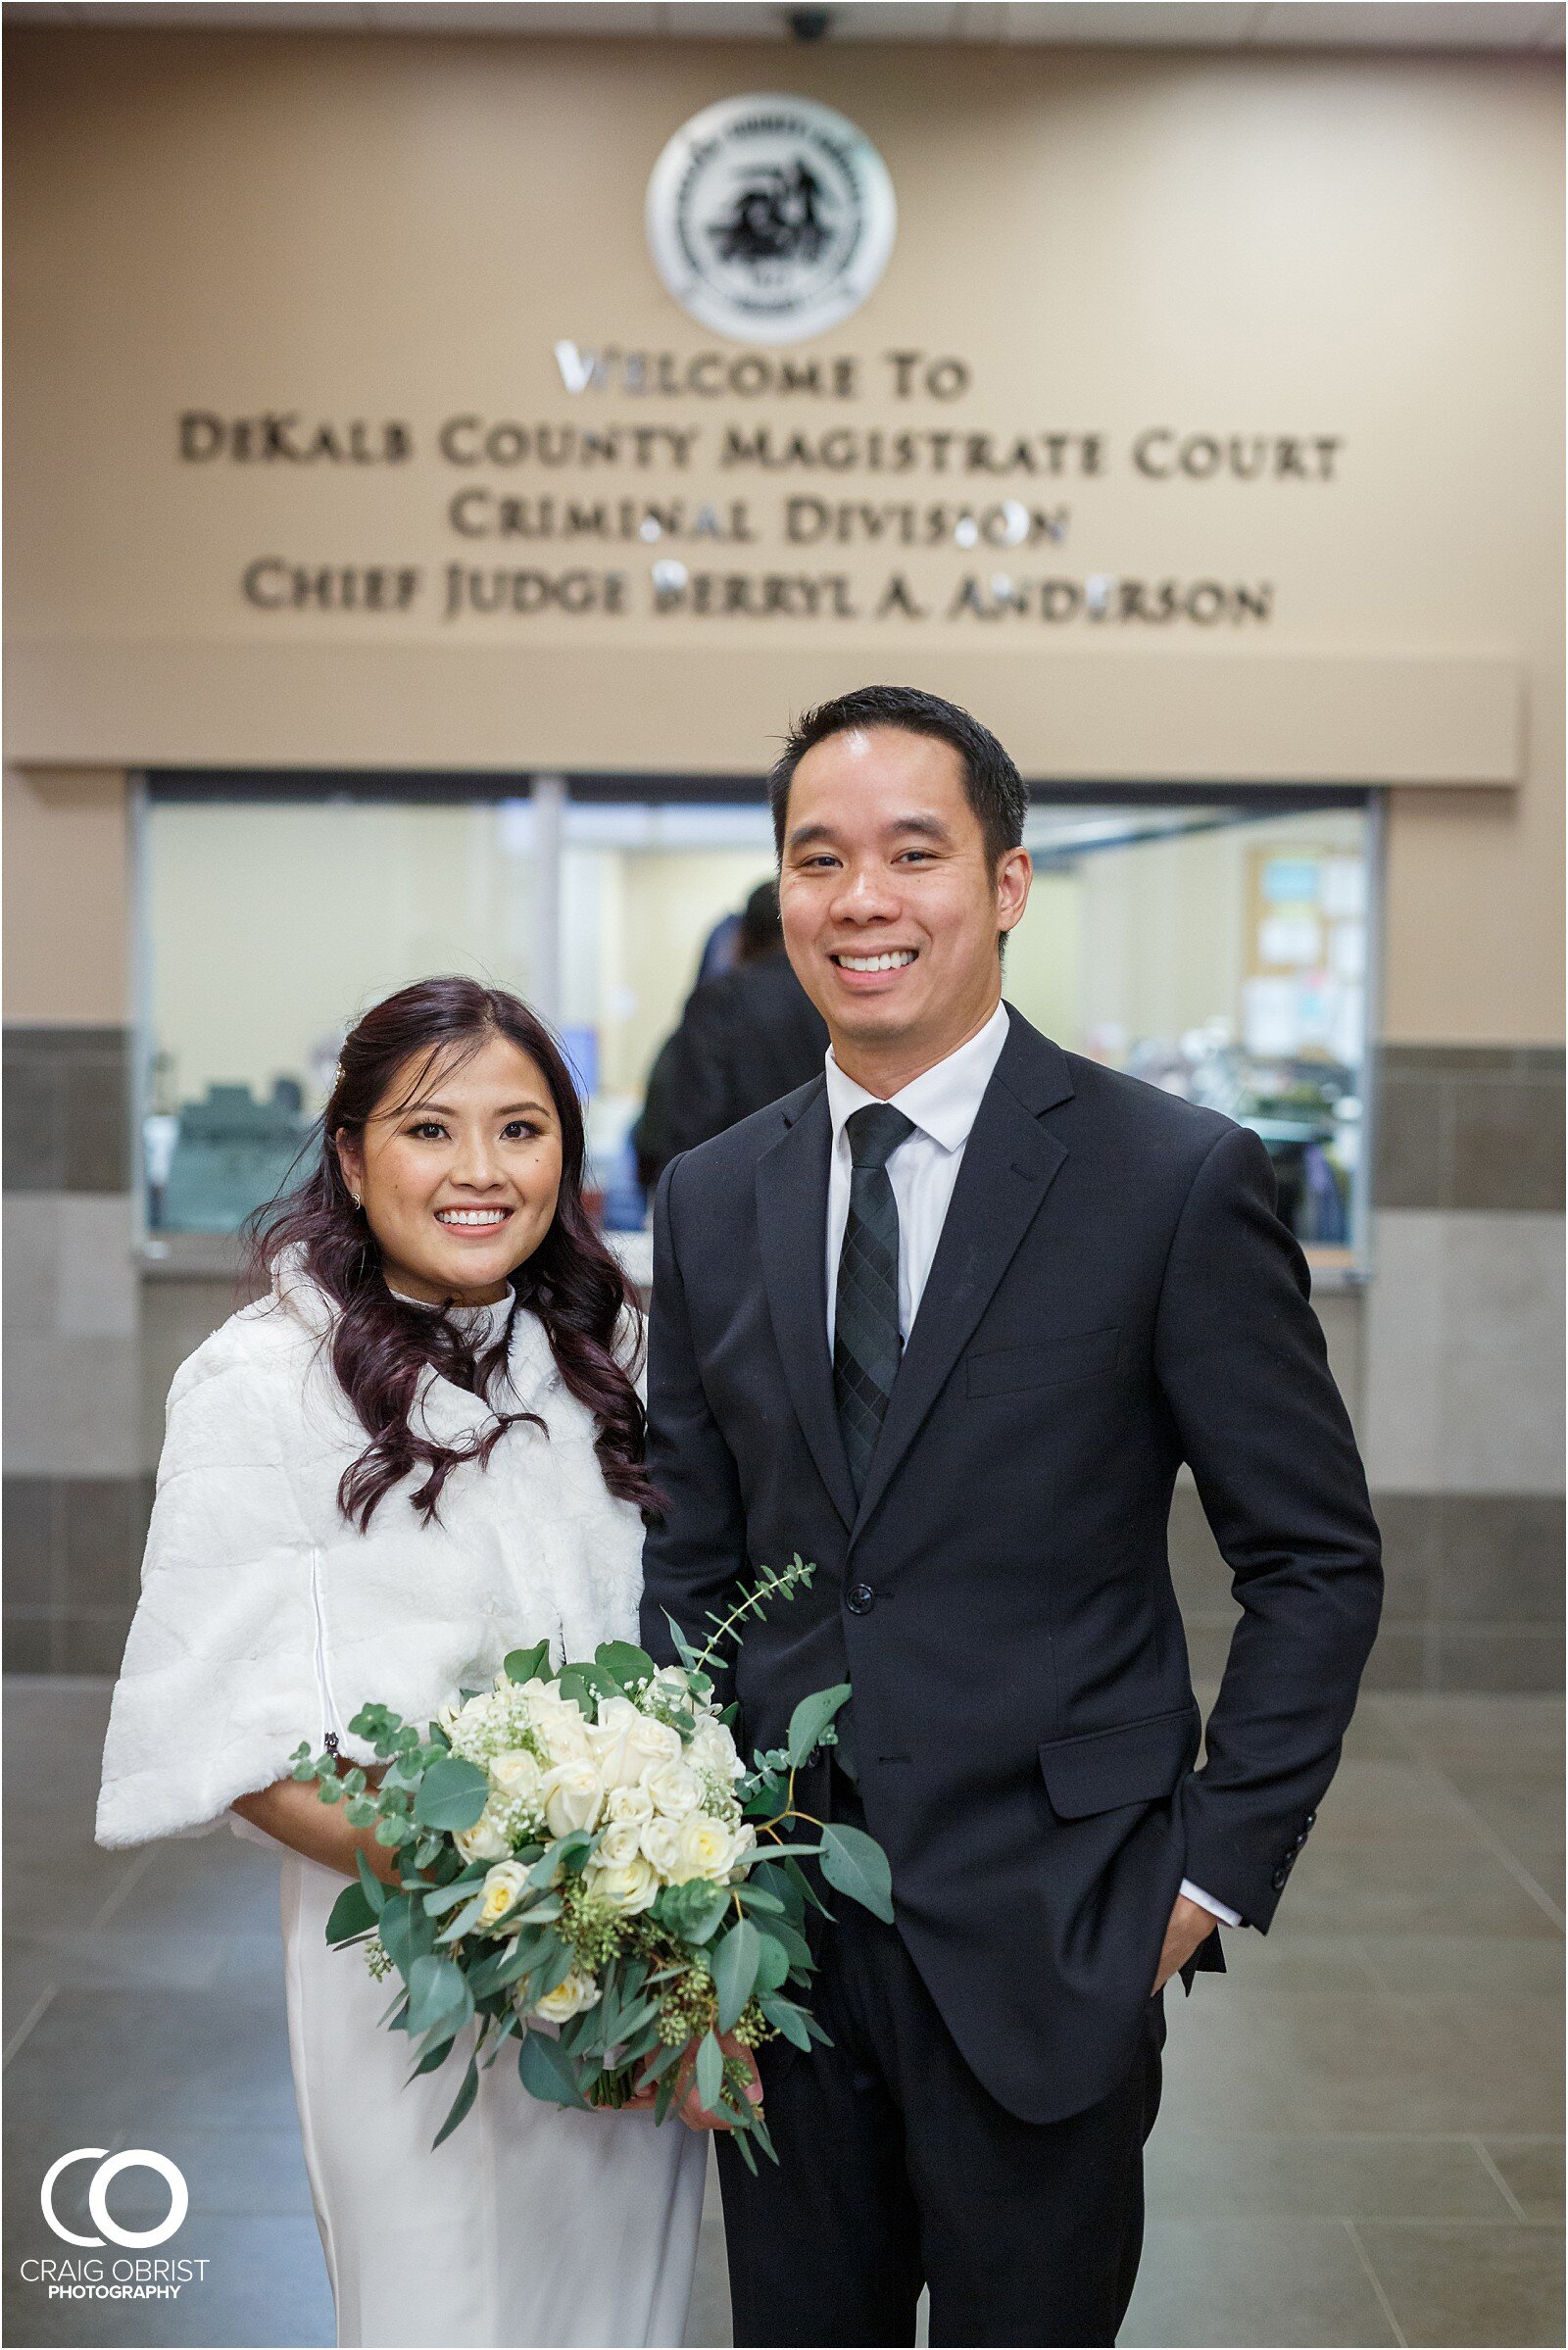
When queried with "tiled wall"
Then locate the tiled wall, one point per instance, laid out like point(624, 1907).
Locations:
point(1451, 1364)
point(1456, 1386)
point(78, 1481)
point(1464, 1401)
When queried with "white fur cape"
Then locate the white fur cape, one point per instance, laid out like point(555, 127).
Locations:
point(266, 1618)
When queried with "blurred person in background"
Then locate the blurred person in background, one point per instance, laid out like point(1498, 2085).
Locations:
point(745, 1039)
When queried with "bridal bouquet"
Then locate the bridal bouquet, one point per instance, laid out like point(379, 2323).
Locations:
point(587, 1866)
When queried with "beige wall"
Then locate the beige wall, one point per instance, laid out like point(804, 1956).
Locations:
point(67, 898)
point(1358, 246)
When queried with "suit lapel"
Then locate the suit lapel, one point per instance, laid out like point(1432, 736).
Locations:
point(1009, 1163)
point(792, 1230)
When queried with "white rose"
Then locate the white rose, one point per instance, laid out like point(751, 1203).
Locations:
point(745, 1836)
point(567, 1999)
point(619, 1844)
point(630, 1886)
point(632, 1803)
point(713, 1749)
point(484, 1841)
point(516, 1775)
point(558, 1723)
point(674, 1789)
point(572, 1796)
point(670, 1681)
point(660, 1841)
point(610, 1742)
point(707, 1848)
point(652, 1742)
point(503, 1887)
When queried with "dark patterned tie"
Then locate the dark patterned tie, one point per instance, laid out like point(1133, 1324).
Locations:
point(865, 1330)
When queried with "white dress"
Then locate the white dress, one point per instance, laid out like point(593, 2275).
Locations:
point(265, 1619)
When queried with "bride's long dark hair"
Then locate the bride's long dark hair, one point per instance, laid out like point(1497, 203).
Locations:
point(381, 1348)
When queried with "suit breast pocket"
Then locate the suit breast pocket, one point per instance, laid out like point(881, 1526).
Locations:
point(1004, 1370)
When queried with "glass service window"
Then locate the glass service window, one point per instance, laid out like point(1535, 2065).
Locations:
point(270, 924)
point(1219, 951)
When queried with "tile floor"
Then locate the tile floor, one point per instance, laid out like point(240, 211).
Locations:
point(1361, 2140)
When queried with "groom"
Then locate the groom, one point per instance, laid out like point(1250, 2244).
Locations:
point(946, 1321)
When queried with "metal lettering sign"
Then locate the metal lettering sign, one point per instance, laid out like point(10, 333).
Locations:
point(770, 219)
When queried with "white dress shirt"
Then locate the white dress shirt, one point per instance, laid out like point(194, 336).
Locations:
point(942, 1103)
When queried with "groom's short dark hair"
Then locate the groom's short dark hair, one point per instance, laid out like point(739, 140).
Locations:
point(992, 784)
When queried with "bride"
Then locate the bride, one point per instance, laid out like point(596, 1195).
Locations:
point(420, 1449)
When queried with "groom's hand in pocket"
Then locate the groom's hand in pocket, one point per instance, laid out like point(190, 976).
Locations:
point(1188, 1925)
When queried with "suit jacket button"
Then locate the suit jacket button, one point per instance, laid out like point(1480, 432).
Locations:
point(1312, 1819)
point(859, 1598)
point(1280, 1876)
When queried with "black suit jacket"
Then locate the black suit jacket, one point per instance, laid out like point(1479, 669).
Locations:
point(1113, 1295)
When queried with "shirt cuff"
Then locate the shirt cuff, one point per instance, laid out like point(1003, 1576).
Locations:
point(1196, 1892)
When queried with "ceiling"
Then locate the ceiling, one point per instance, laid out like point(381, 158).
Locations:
point(1519, 26)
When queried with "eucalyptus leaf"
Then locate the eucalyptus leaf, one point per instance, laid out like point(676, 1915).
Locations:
point(627, 1665)
point(692, 1910)
point(504, 2030)
point(810, 1718)
point(514, 1964)
point(451, 1794)
point(575, 1687)
point(641, 2043)
point(683, 1647)
point(558, 1966)
point(772, 1876)
point(794, 1944)
point(856, 1864)
point(709, 2073)
point(435, 2055)
point(659, 2064)
point(460, 2103)
point(804, 1888)
point(735, 1963)
point(466, 1917)
point(438, 1994)
point(545, 2071)
point(632, 2021)
point(499, 1968)
point(528, 1664)
point(447, 1896)
point(772, 1962)
point(407, 1933)
point(785, 2017)
point(352, 1915)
